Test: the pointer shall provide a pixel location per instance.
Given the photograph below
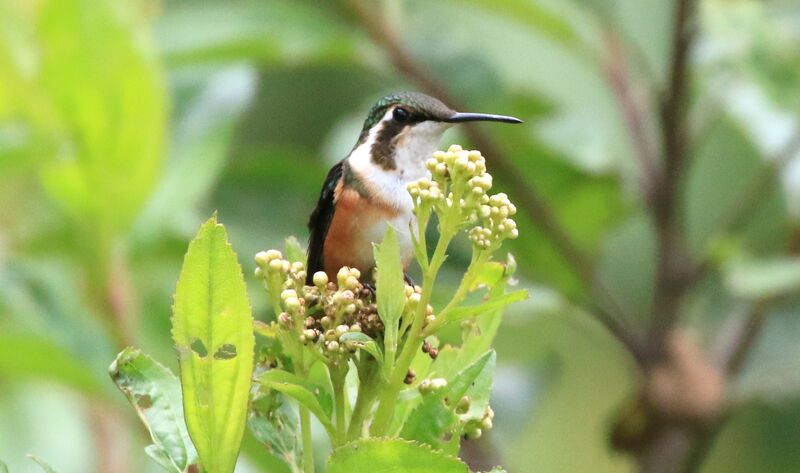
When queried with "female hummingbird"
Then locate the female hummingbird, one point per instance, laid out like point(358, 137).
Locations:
point(366, 191)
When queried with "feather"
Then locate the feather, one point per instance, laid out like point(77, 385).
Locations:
point(320, 222)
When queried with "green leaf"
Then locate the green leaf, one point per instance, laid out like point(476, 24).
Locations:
point(434, 420)
point(493, 304)
point(212, 326)
point(489, 274)
point(199, 147)
point(294, 250)
point(105, 96)
point(27, 355)
point(3, 467)
point(390, 456)
point(275, 424)
point(47, 468)
point(299, 390)
point(627, 265)
point(364, 342)
point(155, 393)
point(264, 30)
point(390, 290)
point(764, 278)
point(533, 14)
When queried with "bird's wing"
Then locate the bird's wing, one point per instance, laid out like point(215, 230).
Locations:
point(320, 221)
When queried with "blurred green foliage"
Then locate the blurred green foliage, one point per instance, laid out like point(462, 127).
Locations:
point(122, 122)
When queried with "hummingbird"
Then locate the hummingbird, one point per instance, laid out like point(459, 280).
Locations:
point(366, 191)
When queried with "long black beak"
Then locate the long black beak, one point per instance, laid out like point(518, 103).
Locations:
point(459, 117)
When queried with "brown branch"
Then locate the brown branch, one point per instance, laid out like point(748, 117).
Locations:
point(531, 201)
point(672, 277)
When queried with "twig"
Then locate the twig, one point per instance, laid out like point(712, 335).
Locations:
point(531, 201)
point(745, 340)
point(748, 200)
point(618, 78)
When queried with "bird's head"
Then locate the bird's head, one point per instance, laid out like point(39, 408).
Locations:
point(404, 129)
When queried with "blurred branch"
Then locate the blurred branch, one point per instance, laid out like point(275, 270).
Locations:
point(740, 347)
point(763, 183)
point(672, 274)
point(532, 202)
point(618, 77)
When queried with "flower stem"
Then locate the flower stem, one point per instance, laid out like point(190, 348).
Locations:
point(388, 397)
point(339, 395)
point(366, 396)
point(478, 259)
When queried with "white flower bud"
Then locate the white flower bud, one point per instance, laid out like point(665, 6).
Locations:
point(320, 279)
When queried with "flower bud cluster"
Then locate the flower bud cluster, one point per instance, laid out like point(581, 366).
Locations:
point(494, 222)
point(425, 191)
point(271, 263)
point(459, 179)
point(320, 314)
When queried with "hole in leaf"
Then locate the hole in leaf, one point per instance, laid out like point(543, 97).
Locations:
point(199, 348)
point(144, 401)
point(225, 352)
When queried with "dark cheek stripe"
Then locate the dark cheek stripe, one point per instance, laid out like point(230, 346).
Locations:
point(383, 148)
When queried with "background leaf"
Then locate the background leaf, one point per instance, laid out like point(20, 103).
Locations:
point(212, 327)
point(275, 424)
point(155, 393)
point(757, 279)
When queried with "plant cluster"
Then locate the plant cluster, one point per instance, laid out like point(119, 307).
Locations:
point(365, 359)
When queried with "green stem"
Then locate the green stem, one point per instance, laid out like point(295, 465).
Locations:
point(339, 396)
point(385, 412)
point(366, 396)
point(478, 259)
point(305, 420)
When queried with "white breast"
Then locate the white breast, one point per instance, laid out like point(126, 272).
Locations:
point(412, 148)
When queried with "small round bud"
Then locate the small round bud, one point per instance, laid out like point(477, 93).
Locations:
point(351, 282)
point(355, 328)
point(438, 383)
point(276, 265)
point(259, 272)
point(486, 423)
point(261, 258)
point(333, 345)
point(463, 405)
point(410, 376)
point(292, 303)
point(425, 386)
point(341, 330)
point(474, 434)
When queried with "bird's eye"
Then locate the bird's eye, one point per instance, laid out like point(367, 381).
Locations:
point(400, 114)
